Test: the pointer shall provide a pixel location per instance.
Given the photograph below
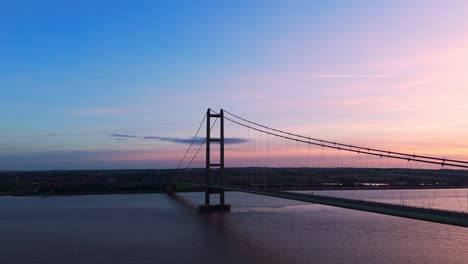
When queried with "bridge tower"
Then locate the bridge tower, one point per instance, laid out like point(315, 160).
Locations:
point(211, 186)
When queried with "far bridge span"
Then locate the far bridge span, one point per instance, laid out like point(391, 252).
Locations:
point(272, 151)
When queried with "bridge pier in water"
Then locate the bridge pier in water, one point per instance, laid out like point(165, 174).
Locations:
point(170, 188)
point(210, 189)
point(208, 207)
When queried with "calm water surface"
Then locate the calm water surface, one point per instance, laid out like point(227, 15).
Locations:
point(446, 199)
point(157, 228)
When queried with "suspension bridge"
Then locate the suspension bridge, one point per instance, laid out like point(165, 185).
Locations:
point(245, 156)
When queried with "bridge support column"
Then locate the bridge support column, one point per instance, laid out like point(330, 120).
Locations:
point(170, 188)
point(211, 187)
point(221, 207)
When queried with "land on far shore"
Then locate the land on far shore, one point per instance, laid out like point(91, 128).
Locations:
point(61, 182)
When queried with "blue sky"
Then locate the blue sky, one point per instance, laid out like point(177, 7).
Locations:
point(75, 72)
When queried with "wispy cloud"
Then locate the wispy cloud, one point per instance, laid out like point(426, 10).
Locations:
point(123, 136)
point(352, 76)
point(176, 140)
point(197, 140)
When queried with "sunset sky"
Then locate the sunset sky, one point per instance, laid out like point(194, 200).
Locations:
point(123, 84)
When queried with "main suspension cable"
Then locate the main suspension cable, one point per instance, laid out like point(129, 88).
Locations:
point(201, 145)
point(349, 146)
point(191, 143)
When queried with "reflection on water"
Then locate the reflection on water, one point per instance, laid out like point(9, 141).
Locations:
point(157, 228)
point(446, 199)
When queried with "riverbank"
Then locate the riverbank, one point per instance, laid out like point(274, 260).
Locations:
point(82, 182)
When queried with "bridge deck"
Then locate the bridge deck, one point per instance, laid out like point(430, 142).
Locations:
point(425, 214)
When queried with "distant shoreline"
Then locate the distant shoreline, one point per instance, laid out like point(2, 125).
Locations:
point(100, 182)
point(201, 190)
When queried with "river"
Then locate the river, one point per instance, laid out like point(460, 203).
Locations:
point(157, 228)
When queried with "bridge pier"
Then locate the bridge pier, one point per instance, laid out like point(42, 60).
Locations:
point(170, 188)
point(221, 207)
